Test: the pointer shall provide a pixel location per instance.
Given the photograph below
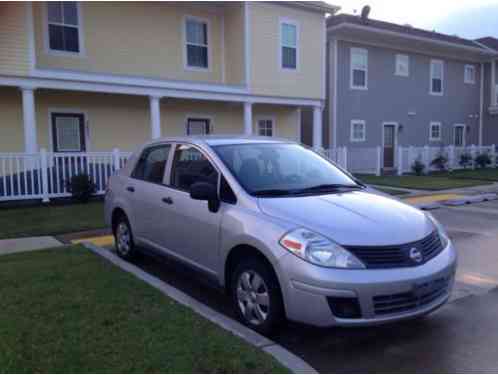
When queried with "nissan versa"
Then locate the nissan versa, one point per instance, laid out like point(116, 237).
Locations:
point(284, 231)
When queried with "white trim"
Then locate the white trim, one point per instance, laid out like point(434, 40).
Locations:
point(30, 132)
point(481, 103)
point(208, 46)
point(31, 35)
point(493, 85)
point(397, 72)
point(299, 125)
point(223, 52)
point(471, 81)
point(198, 116)
point(395, 146)
point(71, 111)
point(431, 77)
point(351, 131)
point(247, 43)
point(334, 105)
point(152, 91)
point(464, 134)
point(291, 22)
point(324, 59)
point(81, 39)
point(361, 51)
point(440, 126)
point(411, 37)
point(273, 120)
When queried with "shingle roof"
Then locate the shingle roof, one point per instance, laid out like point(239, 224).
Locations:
point(489, 42)
point(408, 30)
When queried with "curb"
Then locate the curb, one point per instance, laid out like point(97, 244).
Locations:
point(282, 355)
point(469, 199)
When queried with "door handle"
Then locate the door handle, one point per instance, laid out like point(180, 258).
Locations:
point(167, 200)
point(131, 189)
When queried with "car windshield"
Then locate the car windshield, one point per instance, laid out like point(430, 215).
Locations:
point(281, 169)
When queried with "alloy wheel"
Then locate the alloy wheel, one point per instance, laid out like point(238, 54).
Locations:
point(253, 297)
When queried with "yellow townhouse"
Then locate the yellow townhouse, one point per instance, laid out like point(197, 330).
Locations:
point(85, 76)
point(88, 77)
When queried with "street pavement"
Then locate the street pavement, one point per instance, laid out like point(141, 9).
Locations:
point(460, 337)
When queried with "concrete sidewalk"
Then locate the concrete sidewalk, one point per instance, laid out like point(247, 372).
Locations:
point(19, 245)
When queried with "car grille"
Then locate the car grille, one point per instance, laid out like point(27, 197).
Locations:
point(399, 255)
point(421, 295)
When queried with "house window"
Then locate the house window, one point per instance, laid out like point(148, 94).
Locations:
point(68, 132)
point(63, 26)
point(470, 74)
point(198, 126)
point(435, 131)
point(437, 76)
point(265, 127)
point(196, 32)
point(359, 68)
point(358, 131)
point(288, 41)
point(402, 65)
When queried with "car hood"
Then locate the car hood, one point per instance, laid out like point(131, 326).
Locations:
point(352, 218)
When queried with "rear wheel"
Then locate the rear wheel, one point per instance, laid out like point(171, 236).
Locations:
point(256, 296)
point(123, 238)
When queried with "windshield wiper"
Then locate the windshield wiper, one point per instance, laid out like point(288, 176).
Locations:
point(272, 192)
point(327, 187)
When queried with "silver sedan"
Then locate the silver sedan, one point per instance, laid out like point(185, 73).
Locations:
point(287, 233)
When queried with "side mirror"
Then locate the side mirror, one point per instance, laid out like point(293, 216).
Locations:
point(203, 191)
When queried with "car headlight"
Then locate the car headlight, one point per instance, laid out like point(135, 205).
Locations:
point(443, 236)
point(319, 250)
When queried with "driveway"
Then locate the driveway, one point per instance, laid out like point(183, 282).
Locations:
point(463, 336)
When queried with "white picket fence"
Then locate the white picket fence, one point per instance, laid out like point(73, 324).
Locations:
point(369, 160)
point(44, 175)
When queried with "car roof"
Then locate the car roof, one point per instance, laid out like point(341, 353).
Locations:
point(218, 140)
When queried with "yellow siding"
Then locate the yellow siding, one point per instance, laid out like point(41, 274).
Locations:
point(11, 129)
point(234, 43)
point(266, 76)
point(143, 39)
point(14, 39)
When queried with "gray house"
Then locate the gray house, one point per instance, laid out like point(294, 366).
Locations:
point(490, 99)
point(390, 85)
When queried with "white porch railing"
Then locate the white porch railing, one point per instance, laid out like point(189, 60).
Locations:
point(369, 160)
point(45, 175)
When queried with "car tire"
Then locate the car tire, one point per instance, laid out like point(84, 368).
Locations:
point(123, 239)
point(256, 296)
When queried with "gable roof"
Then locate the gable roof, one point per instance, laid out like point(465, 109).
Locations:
point(401, 29)
point(489, 42)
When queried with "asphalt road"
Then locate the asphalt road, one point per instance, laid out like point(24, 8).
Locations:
point(461, 337)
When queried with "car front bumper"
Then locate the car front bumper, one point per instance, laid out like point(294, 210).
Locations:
point(383, 295)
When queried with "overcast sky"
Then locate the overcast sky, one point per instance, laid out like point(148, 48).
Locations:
point(466, 18)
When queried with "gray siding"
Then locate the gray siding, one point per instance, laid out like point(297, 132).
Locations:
point(490, 124)
point(390, 98)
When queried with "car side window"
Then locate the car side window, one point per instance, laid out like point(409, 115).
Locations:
point(152, 163)
point(191, 166)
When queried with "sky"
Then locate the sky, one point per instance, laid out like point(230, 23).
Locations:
point(465, 18)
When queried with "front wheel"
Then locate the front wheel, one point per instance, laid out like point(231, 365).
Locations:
point(123, 238)
point(256, 296)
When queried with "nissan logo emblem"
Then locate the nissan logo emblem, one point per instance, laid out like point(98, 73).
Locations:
point(416, 255)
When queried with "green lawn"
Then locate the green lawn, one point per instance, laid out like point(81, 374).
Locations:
point(50, 219)
point(69, 311)
point(489, 174)
point(421, 182)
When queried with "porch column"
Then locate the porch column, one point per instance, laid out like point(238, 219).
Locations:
point(248, 118)
point(493, 84)
point(29, 120)
point(317, 127)
point(155, 117)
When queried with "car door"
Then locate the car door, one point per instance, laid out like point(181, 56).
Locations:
point(146, 189)
point(193, 232)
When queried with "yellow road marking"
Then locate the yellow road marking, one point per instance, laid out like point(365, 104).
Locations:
point(97, 241)
point(432, 198)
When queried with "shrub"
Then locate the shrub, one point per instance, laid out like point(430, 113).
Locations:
point(81, 187)
point(465, 160)
point(418, 167)
point(440, 162)
point(483, 160)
